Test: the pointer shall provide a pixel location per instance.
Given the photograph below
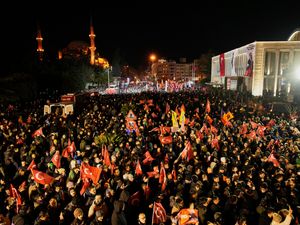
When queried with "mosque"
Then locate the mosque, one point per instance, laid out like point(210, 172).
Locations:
point(75, 49)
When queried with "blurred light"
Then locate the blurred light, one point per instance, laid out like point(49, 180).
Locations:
point(152, 57)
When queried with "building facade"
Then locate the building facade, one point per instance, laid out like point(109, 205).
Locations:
point(262, 67)
point(171, 70)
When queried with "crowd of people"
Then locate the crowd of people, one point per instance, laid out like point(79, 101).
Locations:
point(241, 170)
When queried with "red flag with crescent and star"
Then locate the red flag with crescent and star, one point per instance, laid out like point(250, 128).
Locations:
point(15, 194)
point(41, 178)
point(56, 159)
point(92, 172)
point(38, 132)
point(138, 169)
point(32, 165)
point(159, 214)
point(162, 177)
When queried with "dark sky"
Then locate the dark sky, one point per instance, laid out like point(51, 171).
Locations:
point(170, 29)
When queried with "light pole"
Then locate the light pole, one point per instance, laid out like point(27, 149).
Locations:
point(152, 58)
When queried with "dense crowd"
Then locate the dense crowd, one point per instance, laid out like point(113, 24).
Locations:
point(244, 170)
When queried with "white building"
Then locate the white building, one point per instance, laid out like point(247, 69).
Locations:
point(261, 67)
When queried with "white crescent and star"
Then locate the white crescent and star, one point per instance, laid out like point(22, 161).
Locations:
point(87, 171)
point(38, 176)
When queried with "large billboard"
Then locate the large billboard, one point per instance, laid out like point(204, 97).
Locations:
point(239, 62)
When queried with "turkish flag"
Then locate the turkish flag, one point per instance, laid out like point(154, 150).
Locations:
point(38, 132)
point(215, 143)
point(154, 172)
point(159, 214)
point(213, 129)
point(56, 159)
point(207, 107)
point(252, 135)
point(162, 177)
point(164, 130)
point(106, 157)
point(222, 65)
point(15, 194)
point(87, 171)
point(204, 129)
point(135, 199)
point(65, 153)
point(253, 125)
point(70, 149)
point(226, 123)
point(165, 140)
point(85, 185)
point(187, 152)
point(148, 158)
point(199, 135)
point(271, 123)
point(209, 119)
point(261, 131)
point(32, 165)
point(41, 178)
point(244, 128)
point(273, 160)
point(138, 169)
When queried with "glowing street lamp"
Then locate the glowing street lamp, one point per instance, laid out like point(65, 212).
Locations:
point(152, 57)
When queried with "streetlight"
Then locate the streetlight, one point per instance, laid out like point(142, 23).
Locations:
point(152, 57)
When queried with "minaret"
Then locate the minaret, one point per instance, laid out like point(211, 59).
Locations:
point(92, 39)
point(40, 49)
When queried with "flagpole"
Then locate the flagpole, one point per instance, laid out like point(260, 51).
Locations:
point(153, 213)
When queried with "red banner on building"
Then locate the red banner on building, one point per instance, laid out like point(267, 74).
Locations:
point(222, 65)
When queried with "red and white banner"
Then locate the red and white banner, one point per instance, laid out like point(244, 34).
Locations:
point(222, 65)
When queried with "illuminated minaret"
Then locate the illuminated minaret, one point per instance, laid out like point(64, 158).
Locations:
point(92, 39)
point(39, 39)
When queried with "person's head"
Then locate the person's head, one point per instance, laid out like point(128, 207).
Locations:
point(117, 172)
point(142, 218)
point(78, 213)
point(93, 190)
point(216, 200)
point(43, 216)
point(72, 192)
point(53, 202)
point(98, 199)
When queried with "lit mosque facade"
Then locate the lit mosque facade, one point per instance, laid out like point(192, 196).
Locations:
point(76, 49)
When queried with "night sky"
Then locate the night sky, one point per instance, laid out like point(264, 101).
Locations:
point(171, 30)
